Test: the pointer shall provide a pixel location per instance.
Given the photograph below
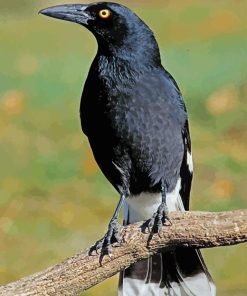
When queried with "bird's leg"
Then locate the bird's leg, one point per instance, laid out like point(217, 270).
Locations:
point(161, 216)
point(113, 234)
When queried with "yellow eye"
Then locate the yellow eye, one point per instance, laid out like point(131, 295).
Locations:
point(104, 13)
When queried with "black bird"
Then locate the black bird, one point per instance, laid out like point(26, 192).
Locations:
point(133, 114)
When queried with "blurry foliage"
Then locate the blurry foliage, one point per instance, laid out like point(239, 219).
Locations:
point(53, 199)
point(15, 6)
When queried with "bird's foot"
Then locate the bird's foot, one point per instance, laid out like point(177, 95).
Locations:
point(111, 238)
point(160, 218)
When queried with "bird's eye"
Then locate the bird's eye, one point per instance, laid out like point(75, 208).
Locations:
point(104, 13)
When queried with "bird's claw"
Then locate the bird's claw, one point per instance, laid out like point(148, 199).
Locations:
point(159, 219)
point(111, 238)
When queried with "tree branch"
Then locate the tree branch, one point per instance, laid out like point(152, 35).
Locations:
point(80, 272)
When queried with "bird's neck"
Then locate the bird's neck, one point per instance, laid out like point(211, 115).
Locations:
point(117, 69)
point(142, 50)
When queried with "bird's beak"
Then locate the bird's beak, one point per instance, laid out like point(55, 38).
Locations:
point(68, 12)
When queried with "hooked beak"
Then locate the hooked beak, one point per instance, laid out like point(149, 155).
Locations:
point(69, 12)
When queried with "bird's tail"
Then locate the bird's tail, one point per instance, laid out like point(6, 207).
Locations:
point(178, 273)
point(181, 272)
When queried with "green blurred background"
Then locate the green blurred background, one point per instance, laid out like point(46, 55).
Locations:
point(54, 201)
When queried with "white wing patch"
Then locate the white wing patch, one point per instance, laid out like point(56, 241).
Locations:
point(190, 161)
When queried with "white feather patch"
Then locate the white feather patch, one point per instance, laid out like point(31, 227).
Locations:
point(143, 206)
point(134, 287)
point(190, 161)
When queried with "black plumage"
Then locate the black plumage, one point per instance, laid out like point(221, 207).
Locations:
point(134, 127)
point(133, 114)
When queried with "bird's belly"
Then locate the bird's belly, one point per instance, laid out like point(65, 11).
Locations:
point(143, 206)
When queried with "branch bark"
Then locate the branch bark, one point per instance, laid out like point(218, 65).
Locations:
point(80, 272)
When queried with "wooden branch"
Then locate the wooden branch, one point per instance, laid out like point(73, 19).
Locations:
point(80, 272)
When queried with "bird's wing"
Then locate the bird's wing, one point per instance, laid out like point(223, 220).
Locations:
point(158, 128)
point(186, 170)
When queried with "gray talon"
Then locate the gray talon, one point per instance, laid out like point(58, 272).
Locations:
point(105, 244)
point(159, 219)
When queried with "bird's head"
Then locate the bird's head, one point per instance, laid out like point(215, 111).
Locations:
point(114, 26)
